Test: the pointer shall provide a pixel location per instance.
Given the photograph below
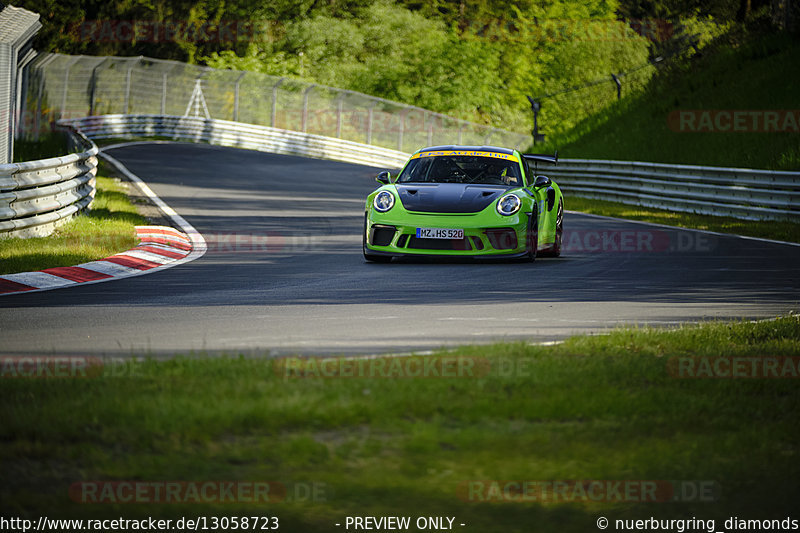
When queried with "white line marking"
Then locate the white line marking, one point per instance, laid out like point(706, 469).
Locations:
point(642, 222)
point(199, 246)
point(546, 343)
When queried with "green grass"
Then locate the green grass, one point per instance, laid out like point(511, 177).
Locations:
point(739, 71)
point(104, 230)
point(777, 230)
point(603, 407)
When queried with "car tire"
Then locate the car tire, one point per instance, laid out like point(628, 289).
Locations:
point(371, 258)
point(555, 250)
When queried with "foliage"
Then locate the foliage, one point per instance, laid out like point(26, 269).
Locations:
point(478, 61)
point(481, 67)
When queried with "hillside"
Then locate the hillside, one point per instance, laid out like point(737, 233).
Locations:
point(755, 75)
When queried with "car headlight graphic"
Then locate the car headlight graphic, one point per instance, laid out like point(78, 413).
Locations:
point(383, 201)
point(508, 204)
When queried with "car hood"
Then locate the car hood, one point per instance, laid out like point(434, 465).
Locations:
point(448, 197)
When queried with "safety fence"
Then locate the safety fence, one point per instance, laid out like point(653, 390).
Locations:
point(67, 87)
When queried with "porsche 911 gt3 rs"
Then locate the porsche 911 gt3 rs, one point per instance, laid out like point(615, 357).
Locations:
point(480, 201)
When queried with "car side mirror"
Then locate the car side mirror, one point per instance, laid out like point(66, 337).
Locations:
point(384, 177)
point(541, 181)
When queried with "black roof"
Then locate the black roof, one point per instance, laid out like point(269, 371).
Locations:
point(468, 149)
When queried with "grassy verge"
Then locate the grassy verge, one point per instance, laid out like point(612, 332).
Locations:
point(106, 229)
point(737, 72)
point(593, 408)
point(777, 230)
point(740, 70)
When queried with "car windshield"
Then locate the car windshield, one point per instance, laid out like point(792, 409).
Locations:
point(462, 169)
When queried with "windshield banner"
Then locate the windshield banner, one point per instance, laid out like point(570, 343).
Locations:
point(508, 157)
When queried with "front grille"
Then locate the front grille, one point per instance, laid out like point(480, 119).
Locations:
point(502, 239)
point(438, 244)
point(382, 235)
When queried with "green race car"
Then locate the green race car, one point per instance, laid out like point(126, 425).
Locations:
point(479, 201)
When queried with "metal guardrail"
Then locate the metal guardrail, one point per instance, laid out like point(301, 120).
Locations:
point(236, 134)
point(741, 193)
point(736, 192)
point(38, 196)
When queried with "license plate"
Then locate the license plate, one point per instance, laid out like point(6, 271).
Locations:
point(439, 233)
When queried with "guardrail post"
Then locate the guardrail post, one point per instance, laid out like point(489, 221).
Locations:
point(66, 85)
point(274, 113)
point(127, 105)
point(236, 97)
point(461, 131)
point(369, 122)
point(402, 127)
point(164, 78)
point(489, 136)
point(37, 119)
point(339, 116)
point(164, 84)
point(93, 87)
point(305, 106)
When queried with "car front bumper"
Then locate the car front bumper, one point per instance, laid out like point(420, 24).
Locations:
point(483, 236)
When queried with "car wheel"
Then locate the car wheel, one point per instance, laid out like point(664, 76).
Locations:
point(555, 250)
point(532, 236)
point(372, 258)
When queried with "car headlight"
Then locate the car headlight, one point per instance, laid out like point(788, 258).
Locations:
point(383, 201)
point(508, 204)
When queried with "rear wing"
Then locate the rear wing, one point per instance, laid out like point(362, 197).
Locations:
point(541, 158)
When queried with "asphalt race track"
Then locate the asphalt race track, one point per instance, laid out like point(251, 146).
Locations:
point(284, 274)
